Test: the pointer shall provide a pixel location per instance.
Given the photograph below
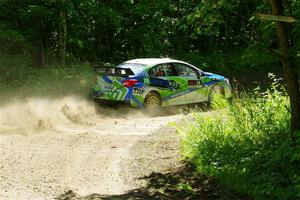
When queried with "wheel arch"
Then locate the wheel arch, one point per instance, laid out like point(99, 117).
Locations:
point(217, 87)
point(155, 92)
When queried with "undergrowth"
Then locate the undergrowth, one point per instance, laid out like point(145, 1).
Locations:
point(19, 79)
point(247, 145)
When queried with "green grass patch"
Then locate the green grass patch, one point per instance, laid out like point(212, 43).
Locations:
point(246, 145)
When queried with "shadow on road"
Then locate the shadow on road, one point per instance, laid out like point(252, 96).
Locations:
point(182, 184)
point(121, 110)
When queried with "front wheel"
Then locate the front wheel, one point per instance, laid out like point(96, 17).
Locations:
point(152, 101)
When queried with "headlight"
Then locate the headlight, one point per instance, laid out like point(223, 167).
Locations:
point(226, 81)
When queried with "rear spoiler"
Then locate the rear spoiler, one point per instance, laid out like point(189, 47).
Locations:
point(113, 71)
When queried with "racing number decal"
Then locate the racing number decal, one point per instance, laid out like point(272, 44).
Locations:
point(173, 84)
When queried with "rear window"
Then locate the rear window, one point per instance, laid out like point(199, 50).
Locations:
point(135, 67)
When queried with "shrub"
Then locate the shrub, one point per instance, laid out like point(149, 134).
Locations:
point(246, 145)
point(21, 80)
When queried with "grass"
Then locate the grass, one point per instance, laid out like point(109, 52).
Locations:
point(247, 146)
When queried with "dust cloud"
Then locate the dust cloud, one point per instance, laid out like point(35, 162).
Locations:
point(33, 115)
point(38, 113)
point(49, 146)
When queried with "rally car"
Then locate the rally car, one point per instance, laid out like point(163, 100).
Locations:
point(155, 82)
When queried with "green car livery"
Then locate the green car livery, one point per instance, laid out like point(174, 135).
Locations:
point(154, 82)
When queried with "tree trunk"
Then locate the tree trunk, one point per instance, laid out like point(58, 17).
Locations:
point(40, 55)
point(226, 35)
point(62, 35)
point(290, 71)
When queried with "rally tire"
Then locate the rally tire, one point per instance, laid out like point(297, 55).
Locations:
point(152, 102)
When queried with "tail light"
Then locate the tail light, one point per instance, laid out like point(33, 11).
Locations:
point(130, 83)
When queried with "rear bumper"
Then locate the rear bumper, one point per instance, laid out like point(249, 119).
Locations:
point(101, 98)
point(110, 102)
point(116, 97)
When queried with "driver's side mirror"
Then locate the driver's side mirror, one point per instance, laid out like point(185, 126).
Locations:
point(199, 74)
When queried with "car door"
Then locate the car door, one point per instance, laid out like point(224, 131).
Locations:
point(164, 78)
point(192, 89)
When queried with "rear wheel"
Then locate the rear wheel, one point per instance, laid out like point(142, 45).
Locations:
point(152, 101)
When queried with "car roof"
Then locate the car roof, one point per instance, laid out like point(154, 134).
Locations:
point(154, 61)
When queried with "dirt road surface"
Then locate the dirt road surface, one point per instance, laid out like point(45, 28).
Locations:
point(52, 146)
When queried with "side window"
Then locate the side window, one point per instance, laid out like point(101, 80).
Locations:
point(163, 70)
point(184, 70)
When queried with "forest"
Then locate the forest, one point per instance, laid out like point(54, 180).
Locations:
point(48, 48)
point(225, 34)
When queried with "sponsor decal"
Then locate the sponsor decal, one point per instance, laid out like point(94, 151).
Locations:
point(130, 97)
point(194, 82)
point(147, 81)
point(138, 91)
point(179, 94)
point(159, 82)
point(117, 92)
point(106, 79)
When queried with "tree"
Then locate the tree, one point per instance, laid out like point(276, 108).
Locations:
point(289, 68)
point(62, 33)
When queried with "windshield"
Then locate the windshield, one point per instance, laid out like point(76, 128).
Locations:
point(135, 67)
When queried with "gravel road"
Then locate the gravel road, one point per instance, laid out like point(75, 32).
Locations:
point(50, 146)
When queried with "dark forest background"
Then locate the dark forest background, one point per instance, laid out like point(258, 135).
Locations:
point(226, 36)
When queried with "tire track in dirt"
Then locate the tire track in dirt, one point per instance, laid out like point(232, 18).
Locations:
point(52, 146)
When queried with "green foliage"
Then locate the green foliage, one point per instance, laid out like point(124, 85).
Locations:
point(219, 102)
point(295, 33)
point(254, 58)
point(21, 80)
point(185, 187)
point(247, 145)
point(224, 36)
